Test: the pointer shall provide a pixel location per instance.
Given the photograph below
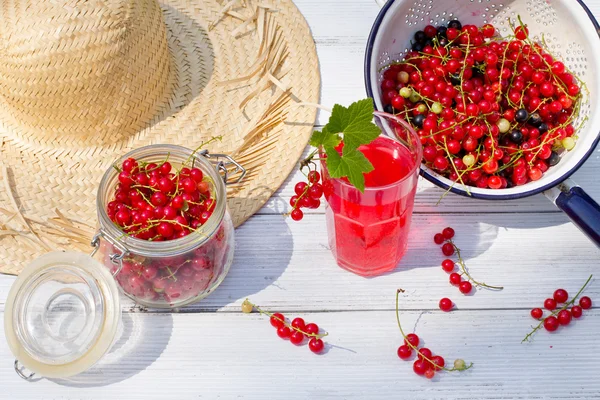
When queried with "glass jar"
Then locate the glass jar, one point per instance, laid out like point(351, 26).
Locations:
point(63, 313)
point(177, 272)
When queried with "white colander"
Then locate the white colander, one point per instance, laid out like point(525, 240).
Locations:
point(572, 34)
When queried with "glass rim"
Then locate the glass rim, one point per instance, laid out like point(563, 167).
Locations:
point(168, 248)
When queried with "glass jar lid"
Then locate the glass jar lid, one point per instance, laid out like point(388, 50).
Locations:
point(62, 314)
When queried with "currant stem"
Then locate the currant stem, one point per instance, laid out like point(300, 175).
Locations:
point(463, 268)
point(271, 315)
point(555, 312)
point(409, 344)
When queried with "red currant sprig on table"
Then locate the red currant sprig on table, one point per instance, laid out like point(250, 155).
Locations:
point(562, 315)
point(426, 363)
point(296, 331)
point(491, 112)
point(449, 248)
point(308, 195)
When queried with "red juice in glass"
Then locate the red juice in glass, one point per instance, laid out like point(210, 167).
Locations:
point(368, 232)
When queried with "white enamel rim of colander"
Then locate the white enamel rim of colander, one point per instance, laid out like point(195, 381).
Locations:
point(477, 193)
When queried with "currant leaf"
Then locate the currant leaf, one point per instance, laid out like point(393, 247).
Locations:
point(351, 164)
point(325, 138)
point(355, 123)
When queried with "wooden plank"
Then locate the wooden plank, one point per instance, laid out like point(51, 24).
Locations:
point(190, 356)
point(287, 265)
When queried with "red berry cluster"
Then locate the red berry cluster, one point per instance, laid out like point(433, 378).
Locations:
point(426, 363)
point(562, 315)
point(153, 202)
point(491, 113)
point(308, 195)
point(448, 249)
point(296, 331)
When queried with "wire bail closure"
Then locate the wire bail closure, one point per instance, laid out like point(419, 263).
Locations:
point(19, 370)
point(115, 258)
point(224, 166)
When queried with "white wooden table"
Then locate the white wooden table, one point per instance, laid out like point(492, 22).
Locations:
point(212, 350)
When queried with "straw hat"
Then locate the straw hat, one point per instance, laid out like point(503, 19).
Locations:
point(84, 81)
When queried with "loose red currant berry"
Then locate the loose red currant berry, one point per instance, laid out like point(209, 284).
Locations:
point(429, 374)
point(564, 317)
point(299, 324)
point(316, 345)
point(561, 295)
point(455, 278)
point(576, 311)
point(297, 214)
point(314, 177)
point(297, 337)
point(550, 304)
point(585, 302)
point(311, 329)
point(420, 367)
point(465, 287)
point(284, 332)
point(537, 313)
point(448, 249)
point(551, 324)
point(404, 352)
point(277, 320)
point(448, 233)
point(446, 304)
point(424, 353)
point(448, 265)
point(412, 339)
point(438, 238)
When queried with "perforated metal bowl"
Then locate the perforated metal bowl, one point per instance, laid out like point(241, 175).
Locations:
point(572, 34)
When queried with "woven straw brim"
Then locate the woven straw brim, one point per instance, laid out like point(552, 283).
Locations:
point(44, 178)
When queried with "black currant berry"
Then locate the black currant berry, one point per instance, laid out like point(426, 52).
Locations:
point(418, 120)
point(388, 109)
point(554, 159)
point(420, 37)
point(522, 115)
point(443, 42)
point(516, 137)
point(535, 119)
point(442, 31)
point(543, 127)
point(418, 47)
point(455, 24)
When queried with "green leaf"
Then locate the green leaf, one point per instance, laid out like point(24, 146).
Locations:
point(352, 164)
point(355, 122)
point(325, 138)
